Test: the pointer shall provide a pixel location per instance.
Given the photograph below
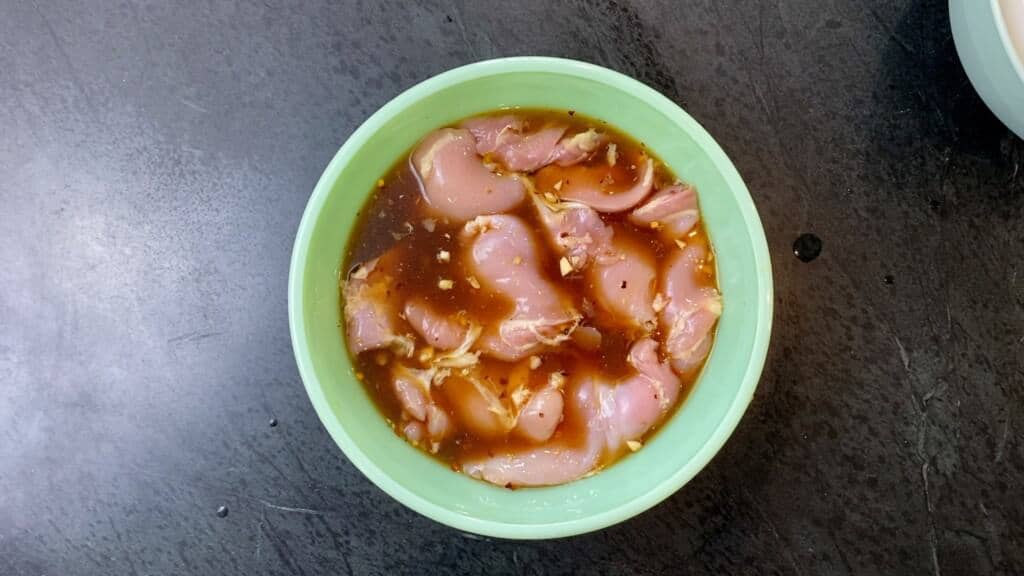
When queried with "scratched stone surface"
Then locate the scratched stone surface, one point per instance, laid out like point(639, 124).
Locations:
point(155, 158)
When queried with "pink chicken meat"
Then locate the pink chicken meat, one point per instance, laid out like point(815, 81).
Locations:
point(501, 253)
point(613, 413)
point(454, 180)
point(590, 187)
point(689, 317)
point(623, 284)
point(436, 329)
point(554, 462)
point(574, 230)
point(506, 139)
point(371, 322)
point(672, 211)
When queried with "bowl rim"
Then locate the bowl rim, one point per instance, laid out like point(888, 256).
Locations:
point(605, 518)
point(1016, 60)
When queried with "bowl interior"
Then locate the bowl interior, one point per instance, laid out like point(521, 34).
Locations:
point(683, 445)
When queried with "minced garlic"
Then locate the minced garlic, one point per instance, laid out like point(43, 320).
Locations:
point(681, 244)
point(634, 445)
point(564, 266)
point(445, 284)
point(534, 362)
point(444, 256)
point(556, 380)
point(426, 354)
point(406, 230)
point(613, 154)
point(473, 282)
point(429, 224)
point(659, 303)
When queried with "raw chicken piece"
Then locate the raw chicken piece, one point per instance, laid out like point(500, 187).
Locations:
point(576, 148)
point(493, 399)
point(476, 406)
point(586, 185)
point(614, 413)
point(439, 425)
point(370, 318)
point(541, 414)
point(673, 209)
point(454, 180)
point(587, 338)
point(414, 431)
point(574, 230)
point(692, 310)
point(440, 331)
point(623, 286)
point(490, 132)
point(635, 404)
point(501, 253)
point(412, 388)
point(554, 462)
point(503, 139)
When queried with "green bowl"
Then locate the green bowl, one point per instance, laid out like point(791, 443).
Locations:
point(683, 445)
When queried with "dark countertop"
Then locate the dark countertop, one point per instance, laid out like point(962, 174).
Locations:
point(155, 159)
